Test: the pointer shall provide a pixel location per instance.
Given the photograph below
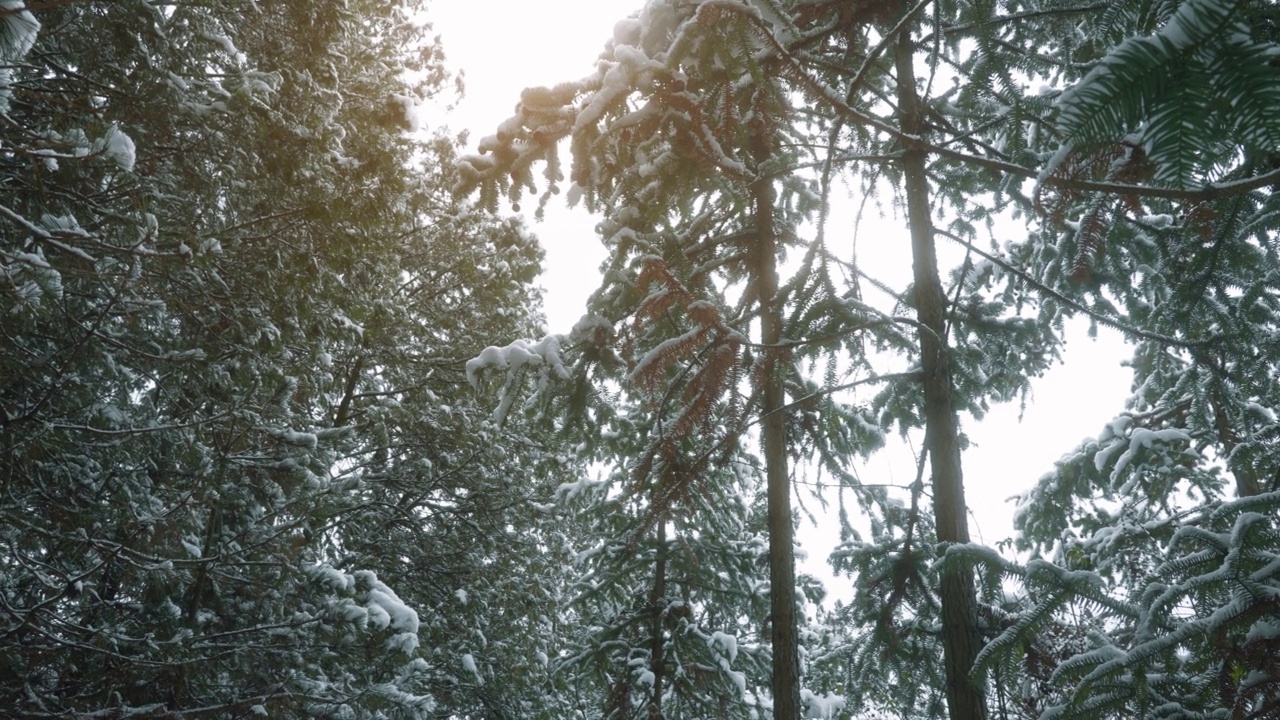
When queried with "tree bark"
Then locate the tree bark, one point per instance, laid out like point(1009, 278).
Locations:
point(782, 573)
point(961, 638)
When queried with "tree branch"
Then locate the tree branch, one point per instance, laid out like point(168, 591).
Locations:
point(1074, 305)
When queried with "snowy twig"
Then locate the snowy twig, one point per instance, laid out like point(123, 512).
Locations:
point(45, 235)
point(1046, 290)
point(138, 431)
point(890, 377)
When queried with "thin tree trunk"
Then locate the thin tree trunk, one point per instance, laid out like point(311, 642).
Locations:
point(961, 638)
point(657, 640)
point(782, 572)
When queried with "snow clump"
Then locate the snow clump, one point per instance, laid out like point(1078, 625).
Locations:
point(18, 31)
point(120, 148)
point(543, 355)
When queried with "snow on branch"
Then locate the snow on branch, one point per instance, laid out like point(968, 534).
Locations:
point(515, 358)
point(371, 603)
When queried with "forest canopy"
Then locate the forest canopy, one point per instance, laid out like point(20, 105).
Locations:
point(282, 434)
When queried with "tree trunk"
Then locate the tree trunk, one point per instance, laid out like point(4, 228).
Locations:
point(782, 571)
point(961, 638)
point(658, 640)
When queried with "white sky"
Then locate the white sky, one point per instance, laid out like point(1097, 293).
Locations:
point(506, 45)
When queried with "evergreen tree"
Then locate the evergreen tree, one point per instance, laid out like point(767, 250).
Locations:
point(243, 472)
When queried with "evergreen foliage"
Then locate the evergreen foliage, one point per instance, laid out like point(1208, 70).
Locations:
point(242, 471)
point(1148, 139)
point(267, 444)
point(1148, 524)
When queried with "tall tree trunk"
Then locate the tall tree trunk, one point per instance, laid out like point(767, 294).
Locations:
point(782, 571)
point(961, 638)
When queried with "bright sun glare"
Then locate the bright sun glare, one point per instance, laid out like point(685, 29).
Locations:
point(502, 48)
